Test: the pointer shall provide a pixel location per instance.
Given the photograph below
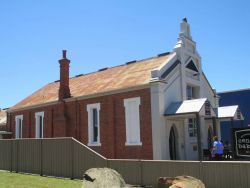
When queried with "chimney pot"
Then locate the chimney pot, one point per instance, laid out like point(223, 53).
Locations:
point(64, 54)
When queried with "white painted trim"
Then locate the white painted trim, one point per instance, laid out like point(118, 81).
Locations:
point(156, 73)
point(90, 107)
point(17, 127)
point(37, 115)
point(135, 99)
point(136, 121)
point(133, 144)
point(94, 144)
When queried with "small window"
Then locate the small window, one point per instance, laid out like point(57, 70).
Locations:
point(39, 124)
point(132, 120)
point(94, 124)
point(192, 129)
point(189, 92)
point(207, 108)
point(238, 114)
point(192, 92)
point(19, 126)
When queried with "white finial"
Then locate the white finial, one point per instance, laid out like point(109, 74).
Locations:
point(185, 29)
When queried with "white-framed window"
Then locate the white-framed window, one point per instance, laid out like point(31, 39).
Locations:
point(94, 124)
point(192, 92)
point(192, 128)
point(132, 120)
point(39, 124)
point(19, 126)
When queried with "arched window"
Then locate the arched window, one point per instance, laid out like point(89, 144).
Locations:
point(173, 143)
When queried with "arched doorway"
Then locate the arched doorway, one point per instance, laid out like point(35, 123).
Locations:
point(209, 138)
point(173, 143)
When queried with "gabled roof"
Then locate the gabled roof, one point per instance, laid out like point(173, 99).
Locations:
point(227, 111)
point(120, 77)
point(230, 112)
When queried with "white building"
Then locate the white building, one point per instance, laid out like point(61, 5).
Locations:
point(180, 94)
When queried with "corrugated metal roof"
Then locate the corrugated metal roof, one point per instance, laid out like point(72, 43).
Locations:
point(119, 77)
point(185, 107)
point(227, 111)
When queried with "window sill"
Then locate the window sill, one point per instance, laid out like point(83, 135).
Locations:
point(94, 144)
point(133, 144)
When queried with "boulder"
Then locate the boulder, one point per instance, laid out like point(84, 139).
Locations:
point(102, 178)
point(180, 182)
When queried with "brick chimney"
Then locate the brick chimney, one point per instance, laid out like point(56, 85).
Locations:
point(64, 91)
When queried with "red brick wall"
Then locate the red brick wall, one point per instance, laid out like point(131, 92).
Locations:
point(71, 120)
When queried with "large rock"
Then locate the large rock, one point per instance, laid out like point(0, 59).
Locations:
point(102, 178)
point(180, 182)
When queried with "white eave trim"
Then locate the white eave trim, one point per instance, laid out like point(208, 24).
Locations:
point(156, 73)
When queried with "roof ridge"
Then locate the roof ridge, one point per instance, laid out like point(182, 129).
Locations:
point(125, 64)
point(119, 77)
point(236, 90)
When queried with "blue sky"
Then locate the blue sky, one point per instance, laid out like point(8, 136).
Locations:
point(106, 33)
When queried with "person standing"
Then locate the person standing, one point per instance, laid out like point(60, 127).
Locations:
point(217, 149)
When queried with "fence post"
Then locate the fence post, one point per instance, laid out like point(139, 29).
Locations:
point(11, 148)
point(107, 163)
point(41, 157)
point(141, 168)
point(200, 171)
point(17, 154)
point(72, 158)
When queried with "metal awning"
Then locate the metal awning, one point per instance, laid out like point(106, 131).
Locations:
point(229, 112)
point(188, 108)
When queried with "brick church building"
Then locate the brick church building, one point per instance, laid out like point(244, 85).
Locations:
point(153, 108)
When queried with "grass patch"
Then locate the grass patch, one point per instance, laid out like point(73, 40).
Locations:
point(16, 180)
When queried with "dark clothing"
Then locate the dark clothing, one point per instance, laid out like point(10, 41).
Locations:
point(218, 157)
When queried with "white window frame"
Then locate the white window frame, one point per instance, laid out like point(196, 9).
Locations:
point(90, 108)
point(136, 122)
point(37, 115)
point(18, 129)
point(194, 92)
point(193, 129)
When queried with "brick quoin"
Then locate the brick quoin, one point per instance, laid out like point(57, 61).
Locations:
point(70, 119)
